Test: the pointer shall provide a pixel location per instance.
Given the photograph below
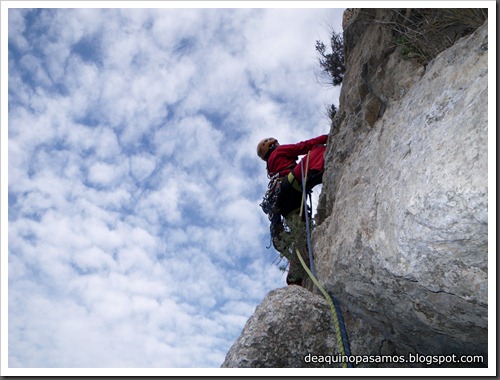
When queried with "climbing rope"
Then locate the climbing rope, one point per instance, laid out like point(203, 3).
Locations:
point(343, 330)
point(304, 206)
point(338, 320)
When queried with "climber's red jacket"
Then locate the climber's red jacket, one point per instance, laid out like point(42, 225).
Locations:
point(284, 158)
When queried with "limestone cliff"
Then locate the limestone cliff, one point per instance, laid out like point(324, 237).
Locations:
point(402, 235)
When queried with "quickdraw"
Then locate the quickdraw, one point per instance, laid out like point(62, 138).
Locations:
point(269, 204)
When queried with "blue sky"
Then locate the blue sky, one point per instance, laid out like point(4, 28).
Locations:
point(135, 236)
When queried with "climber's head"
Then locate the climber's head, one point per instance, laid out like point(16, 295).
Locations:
point(266, 146)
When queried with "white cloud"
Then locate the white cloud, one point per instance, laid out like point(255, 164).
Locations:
point(162, 205)
point(135, 233)
point(103, 174)
point(141, 166)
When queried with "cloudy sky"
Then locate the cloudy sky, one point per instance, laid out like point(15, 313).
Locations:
point(135, 236)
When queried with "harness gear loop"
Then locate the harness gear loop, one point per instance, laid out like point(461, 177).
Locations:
point(269, 205)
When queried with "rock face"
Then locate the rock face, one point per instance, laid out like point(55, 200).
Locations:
point(404, 244)
point(402, 237)
point(288, 325)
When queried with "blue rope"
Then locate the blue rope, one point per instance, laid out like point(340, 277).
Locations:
point(343, 331)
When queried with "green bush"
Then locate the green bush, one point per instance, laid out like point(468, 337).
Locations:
point(423, 33)
point(332, 64)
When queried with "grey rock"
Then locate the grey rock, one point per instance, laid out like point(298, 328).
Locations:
point(404, 238)
point(288, 325)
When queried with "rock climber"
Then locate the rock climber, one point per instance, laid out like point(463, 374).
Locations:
point(281, 161)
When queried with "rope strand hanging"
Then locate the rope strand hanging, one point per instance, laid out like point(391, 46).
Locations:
point(338, 320)
point(303, 207)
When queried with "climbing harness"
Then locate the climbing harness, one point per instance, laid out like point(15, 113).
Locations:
point(338, 320)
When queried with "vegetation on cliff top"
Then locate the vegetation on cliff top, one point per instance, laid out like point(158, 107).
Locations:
point(420, 33)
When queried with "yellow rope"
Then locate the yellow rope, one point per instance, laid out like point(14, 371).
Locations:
point(332, 308)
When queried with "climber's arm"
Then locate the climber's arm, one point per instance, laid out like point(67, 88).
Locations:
point(304, 146)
